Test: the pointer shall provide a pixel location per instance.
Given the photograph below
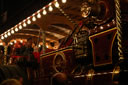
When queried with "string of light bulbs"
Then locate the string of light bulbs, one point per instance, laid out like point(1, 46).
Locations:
point(33, 17)
point(67, 16)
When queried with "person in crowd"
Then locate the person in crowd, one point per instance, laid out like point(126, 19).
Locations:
point(29, 61)
point(19, 78)
point(1, 57)
point(27, 49)
point(11, 82)
point(27, 53)
point(15, 52)
point(1, 54)
point(59, 79)
point(36, 53)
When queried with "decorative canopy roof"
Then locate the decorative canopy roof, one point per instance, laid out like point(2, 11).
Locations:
point(57, 19)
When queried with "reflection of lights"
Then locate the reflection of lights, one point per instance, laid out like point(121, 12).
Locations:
point(64, 1)
point(85, 9)
point(90, 74)
point(56, 4)
point(116, 70)
point(38, 15)
point(50, 8)
point(44, 12)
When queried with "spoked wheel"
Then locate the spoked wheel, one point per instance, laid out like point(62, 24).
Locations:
point(59, 62)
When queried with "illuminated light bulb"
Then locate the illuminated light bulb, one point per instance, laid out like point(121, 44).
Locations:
point(33, 18)
point(44, 8)
point(11, 43)
point(12, 31)
point(44, 12)
point(47, 46)
point(108, 25)
point(95, 27)
point(16, 29)
point(28, 22)
point(20, 27)
point(20, 23)
point(2, 37)
point(9, 33)
point(39, 45)
point(101, 27)
point(38, 15)
point(116, 71)
point(5, 36)
point(89, 75)
point(50, 8)
point(24, 24)
point(56, 4)
point(1, 43)
point(21, 41)
point(113, 21)
point(50, 4)
point(8, 30)
point(64, 1)
point(14, 41)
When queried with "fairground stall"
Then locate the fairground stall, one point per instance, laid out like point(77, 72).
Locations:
point(75, 42)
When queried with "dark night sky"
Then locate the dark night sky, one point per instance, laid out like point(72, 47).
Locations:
point(14, 7)
point(17, 10)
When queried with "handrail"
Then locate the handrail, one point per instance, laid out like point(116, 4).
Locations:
point(62, 49)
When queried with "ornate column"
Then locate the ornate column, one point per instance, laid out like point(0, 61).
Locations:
point(119, 29)
point(5, 54)
point(44, 41)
